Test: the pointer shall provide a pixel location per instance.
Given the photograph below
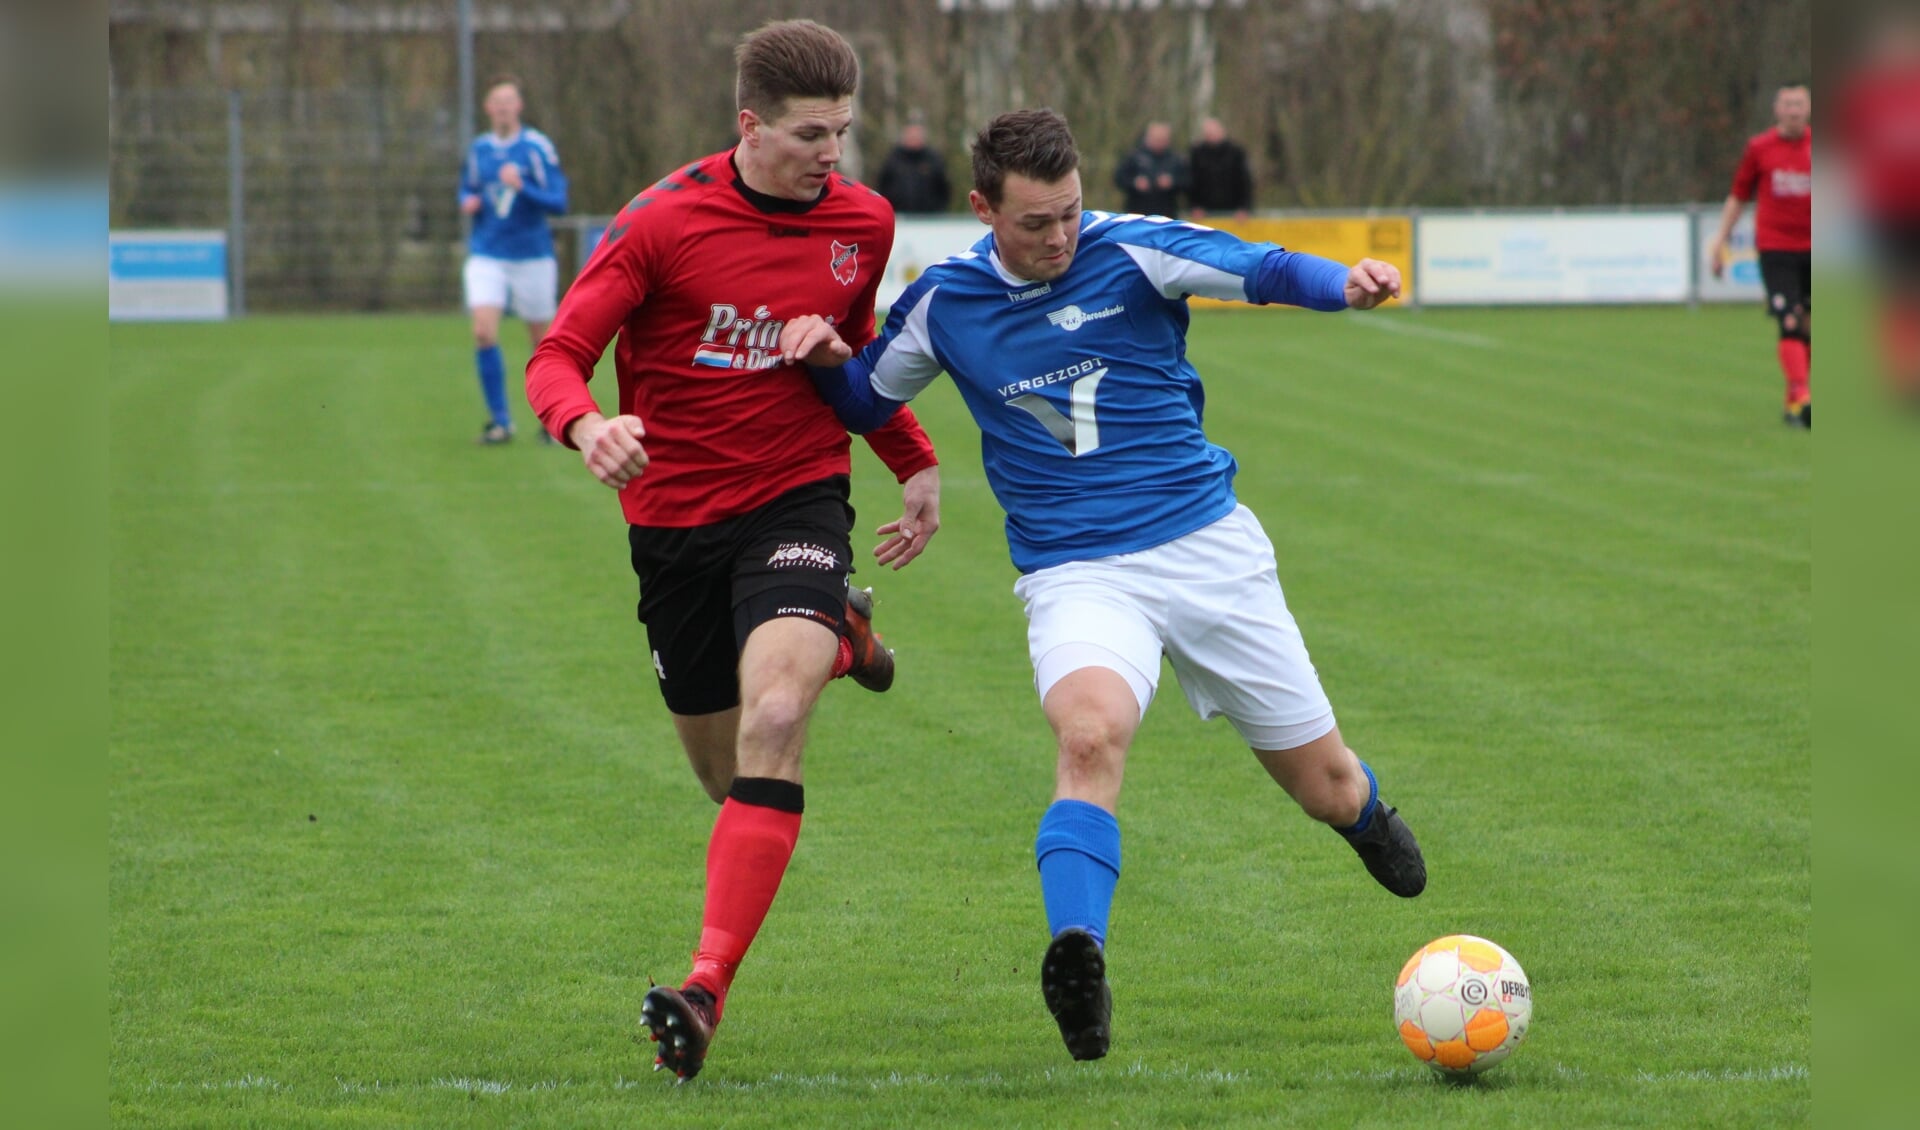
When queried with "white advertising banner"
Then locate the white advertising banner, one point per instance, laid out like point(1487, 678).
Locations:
point(166, 276)
point(1741, 281)
point(1536, 258)
point(920, 243)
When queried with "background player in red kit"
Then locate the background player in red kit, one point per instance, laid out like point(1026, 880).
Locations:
point(732, 473)
point(1777, 171)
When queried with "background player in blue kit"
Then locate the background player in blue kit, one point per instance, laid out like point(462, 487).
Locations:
point(511, 182)
point(1065, 331)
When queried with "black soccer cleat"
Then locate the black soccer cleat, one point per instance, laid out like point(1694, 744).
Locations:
point(681, 1022)
point(872, 662)
point(1073, 979)
point(1391, 853)
point(492, 435)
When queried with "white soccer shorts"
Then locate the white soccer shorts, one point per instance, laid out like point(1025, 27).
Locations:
point(1211, 602)
point(529, 288)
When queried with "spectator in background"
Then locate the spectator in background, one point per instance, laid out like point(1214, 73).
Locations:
point(913, 178)
point(1152, 177)
point(511, 182)
point(1222, 182)
point(1777, 171)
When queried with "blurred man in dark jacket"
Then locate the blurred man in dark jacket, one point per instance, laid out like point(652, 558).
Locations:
point(1153, 177)
point(1222, 182)
point(914, 178)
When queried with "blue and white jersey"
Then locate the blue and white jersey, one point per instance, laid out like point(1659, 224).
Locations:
point(1089, 411)
point(513, 224)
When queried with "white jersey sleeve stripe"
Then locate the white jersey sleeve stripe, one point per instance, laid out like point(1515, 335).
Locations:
point(545, 145)
point(1175, 276)
point(908, 364)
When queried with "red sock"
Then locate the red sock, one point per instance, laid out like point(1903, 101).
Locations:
point(842, 659)
point(746, 858)
point(1795, 360)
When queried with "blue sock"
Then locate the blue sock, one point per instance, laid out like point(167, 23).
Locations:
point(1366, 812)
point(1078, 850)
point(493, 383)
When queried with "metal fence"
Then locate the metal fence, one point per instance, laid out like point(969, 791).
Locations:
point(329, 201)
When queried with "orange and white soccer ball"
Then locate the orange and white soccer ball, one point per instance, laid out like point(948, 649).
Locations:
point(1462, 1004)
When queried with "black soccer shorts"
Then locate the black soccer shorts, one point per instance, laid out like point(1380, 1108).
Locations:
point(704, 589)
point(1788, 276)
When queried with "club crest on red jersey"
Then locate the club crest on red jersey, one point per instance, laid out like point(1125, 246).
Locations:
point(845, 263)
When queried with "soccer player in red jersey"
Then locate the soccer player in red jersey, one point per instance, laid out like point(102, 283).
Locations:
point(1777, 171)
point(732, 473)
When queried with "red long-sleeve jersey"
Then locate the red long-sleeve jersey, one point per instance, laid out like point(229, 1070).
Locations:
point(697, 276)
point(1778, 171)
point(1879, 112)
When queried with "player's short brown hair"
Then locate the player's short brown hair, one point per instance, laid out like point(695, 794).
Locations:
point(1034, 143)
point(790, 59)
point(505, 78)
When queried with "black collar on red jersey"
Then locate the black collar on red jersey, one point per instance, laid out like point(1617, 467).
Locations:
point(767, 203)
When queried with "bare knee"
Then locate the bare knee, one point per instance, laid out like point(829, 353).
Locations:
point(1333, 793)
point(773, 725)
point(1323, 777)
point(1092, 754)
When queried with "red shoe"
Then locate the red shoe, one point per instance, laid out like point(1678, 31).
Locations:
point(681, 1022)
point(870, 662)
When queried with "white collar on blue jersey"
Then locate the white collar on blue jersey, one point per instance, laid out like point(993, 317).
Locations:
point(1007, 276)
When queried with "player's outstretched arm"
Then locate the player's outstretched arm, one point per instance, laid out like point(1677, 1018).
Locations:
point(1371, 282)
point(839, 377)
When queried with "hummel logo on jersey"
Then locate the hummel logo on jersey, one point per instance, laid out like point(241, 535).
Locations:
point(1071, 318)
point(793, 553)
point(845, 263)
point(1030, 292)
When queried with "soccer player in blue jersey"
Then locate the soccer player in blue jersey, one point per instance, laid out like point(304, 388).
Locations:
point(1065, 331)
point(511, 182)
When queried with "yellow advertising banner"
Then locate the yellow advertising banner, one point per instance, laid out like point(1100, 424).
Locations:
point(1345, 238)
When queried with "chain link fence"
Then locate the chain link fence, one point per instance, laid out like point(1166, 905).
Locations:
point(333, 167)
point(329, 200)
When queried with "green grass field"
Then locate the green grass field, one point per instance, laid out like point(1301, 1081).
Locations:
point(398, 829)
